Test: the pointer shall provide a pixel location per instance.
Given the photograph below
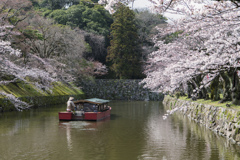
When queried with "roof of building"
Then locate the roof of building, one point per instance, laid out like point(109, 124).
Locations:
point(93, 100)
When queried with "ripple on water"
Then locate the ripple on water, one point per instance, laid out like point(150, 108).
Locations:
point(82, 125)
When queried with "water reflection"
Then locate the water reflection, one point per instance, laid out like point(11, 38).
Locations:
point(209, 144)
point(80, 126)
point(17, 126)
point(135, 130)
point(162, 138)
point(68, 135)
point(180, 138)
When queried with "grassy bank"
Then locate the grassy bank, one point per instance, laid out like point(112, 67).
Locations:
point(57, 93)
point(211, 102)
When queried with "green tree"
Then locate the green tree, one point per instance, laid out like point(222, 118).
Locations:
point(60, 16)
point(86, 15)
point(124, 52)
point(54, 4)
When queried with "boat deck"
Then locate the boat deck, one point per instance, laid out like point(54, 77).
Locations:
point(93, 109)
point(87, 116)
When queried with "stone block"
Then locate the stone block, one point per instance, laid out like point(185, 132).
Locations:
point(222, 121)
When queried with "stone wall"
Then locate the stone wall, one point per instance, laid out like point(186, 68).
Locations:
point(223, 121)
point(119, 90)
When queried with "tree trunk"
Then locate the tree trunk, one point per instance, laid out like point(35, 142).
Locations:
point(234, 87)
point(189, 89)
point(201, 92)
point(204, 93)
point(226, 87)
point(214, 89)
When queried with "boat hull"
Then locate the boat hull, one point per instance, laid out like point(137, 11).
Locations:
point(87, 116)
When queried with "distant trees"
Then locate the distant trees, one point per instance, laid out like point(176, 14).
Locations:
point(40, 43)
point(75, 34)
point(94, 20)
point(54, 4)
point(48, 40)
point(124, 52)
point(87, 16)
point(146, 23)
point(35, 50)
point(13, 11)
point(96, 47)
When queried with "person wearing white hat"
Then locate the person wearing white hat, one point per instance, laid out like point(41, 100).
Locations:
point(70, 104)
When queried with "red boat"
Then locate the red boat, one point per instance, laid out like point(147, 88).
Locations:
point(93, 109)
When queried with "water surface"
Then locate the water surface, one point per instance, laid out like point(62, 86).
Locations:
point(135, 131)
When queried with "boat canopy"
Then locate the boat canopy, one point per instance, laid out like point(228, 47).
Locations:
point(93, 101)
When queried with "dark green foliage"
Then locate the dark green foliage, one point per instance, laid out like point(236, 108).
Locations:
point(59, 16)
point(31, 33)
point(6, 77)
point(54, 4)
point(124, 52)
point(86, 15)
point(35, 3)
point(171, 37)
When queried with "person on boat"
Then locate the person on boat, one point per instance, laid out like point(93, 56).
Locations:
point(70, 105)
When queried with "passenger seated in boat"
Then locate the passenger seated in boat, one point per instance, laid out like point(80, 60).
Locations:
point(70, 105)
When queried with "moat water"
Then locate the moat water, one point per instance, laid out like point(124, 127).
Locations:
point(135, 131)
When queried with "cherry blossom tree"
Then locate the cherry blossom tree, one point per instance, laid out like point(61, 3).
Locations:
point(8, 67)
point(206, 47)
